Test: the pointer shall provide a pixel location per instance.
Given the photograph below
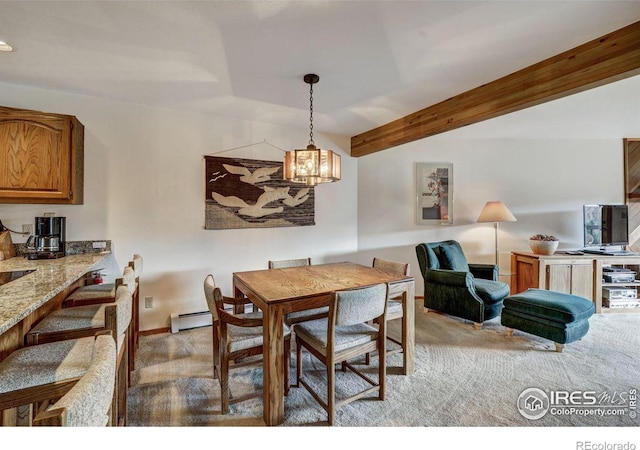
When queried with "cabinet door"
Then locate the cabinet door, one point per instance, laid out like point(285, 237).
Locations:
point(576, 279)
point(582, 280)
point(559, 278)
point(41, 157)
point(526, 270)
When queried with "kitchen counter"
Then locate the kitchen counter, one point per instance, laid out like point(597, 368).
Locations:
point(22, 297)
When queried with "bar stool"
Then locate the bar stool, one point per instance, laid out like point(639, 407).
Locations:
point(83, 321)
point(89, 402)
point(101, 293)
point(43, 373)
point(86, 296)
point(106, 292)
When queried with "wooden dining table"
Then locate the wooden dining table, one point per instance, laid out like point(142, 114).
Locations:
point(278, 292)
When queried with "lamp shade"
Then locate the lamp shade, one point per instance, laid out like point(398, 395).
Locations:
point(496, 212)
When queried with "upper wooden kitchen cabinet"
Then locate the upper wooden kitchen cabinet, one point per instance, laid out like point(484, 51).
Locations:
point(41, 157)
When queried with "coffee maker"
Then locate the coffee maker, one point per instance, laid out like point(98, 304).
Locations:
point(49, 239)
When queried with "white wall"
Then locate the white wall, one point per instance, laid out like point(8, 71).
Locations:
point(544, 163)
point(144, 187)
point(144, 190)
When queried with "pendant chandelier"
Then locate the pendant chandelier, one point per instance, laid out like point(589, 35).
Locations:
point(312, 165)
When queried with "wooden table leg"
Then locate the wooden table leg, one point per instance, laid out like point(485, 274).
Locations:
point(409, 318)
point(273, 362)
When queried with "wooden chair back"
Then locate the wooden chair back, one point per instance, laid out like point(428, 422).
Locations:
point(289, 263)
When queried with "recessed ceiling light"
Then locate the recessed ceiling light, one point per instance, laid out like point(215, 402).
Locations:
point(4, 47)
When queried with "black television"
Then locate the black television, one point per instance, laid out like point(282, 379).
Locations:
point(606, 226)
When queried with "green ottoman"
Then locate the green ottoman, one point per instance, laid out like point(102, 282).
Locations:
point(563, 318)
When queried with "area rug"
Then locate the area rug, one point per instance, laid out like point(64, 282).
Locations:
point(463, 378)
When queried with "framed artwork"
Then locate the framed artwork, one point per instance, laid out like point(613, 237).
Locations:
point(434, 193)
point(247, 193)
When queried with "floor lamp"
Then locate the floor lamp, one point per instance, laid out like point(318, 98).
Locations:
point(496, 212)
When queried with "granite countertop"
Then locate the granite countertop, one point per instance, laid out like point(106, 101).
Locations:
point(20, 297)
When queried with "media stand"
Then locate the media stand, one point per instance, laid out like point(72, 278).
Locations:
point(574, 274)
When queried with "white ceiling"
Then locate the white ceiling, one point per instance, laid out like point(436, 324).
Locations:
point(377, 60)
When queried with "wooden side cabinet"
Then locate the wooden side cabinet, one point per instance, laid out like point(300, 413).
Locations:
point(573, 274)
point(41, 157)
point(563, 273)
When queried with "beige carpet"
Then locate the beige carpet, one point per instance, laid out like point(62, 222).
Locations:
point(463, 378)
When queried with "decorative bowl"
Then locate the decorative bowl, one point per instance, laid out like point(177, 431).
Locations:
point(543, 247)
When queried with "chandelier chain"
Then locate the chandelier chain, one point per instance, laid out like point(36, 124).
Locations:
point(311, 114)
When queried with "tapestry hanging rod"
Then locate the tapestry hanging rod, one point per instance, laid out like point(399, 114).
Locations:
point(248, 145)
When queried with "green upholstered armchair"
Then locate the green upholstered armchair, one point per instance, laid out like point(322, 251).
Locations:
point(455, 287)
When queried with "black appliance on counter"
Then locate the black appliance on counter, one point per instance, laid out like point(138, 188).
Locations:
point(49, 239)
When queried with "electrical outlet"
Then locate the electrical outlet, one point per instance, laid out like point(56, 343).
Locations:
point(27, 228)
point(99, 244)
point(148, 302)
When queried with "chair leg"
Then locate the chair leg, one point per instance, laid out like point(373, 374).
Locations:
point(131, 344)
point(508, 331)
point(133, 331)
point(287, 363)
point(298, 363)
point(382, 367)
point(331, 392)
point(216, 350)
point(224, 385)
point(122, 377)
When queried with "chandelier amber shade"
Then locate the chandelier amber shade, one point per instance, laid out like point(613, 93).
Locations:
point(311, 166)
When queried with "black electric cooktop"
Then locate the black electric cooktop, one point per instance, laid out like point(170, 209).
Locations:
point(6, 277)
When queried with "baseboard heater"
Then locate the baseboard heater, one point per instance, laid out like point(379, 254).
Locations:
point(188, 321)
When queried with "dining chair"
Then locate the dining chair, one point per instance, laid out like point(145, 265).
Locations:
point(291, 319)
point(82, 321)
point(342, 336)
point(237, 339)
point(88, 403)
point(395, 306)
point(41, 374)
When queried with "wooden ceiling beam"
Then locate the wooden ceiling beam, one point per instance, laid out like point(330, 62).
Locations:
point(609, 58)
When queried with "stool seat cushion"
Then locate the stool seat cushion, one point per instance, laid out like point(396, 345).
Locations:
point(551, 305)
point(94, 291)
point(75, 318)
point(88, 316)
point(55, 362)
